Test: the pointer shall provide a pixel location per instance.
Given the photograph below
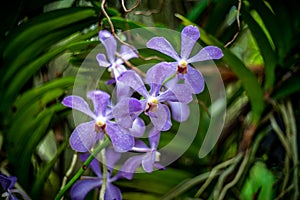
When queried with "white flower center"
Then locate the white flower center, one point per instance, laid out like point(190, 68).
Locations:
point(100, 124)
point(182, 67)
point(152, 104)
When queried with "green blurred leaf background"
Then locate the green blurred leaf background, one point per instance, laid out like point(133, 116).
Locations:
point(44, 42)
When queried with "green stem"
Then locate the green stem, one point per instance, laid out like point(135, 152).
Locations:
point(83, 168)
point(104, 176)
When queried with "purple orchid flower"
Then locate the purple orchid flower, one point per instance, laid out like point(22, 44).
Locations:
point(85, 135)
point(87, 183)
point(8, 183)
point(189, 36)
point(149, 158)
point(152, 104)
point(115, 64)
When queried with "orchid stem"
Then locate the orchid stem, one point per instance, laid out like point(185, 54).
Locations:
point(102, 145)
point(104, 176)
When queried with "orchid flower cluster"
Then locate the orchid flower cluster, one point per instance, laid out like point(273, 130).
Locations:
point(163, 94)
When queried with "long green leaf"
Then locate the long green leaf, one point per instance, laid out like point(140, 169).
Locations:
point(37, 130)
point(43, 24)
point(266, 50)
point(45, 171)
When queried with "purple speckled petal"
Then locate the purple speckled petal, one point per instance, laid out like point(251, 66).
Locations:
point(130, 166)
point(180, 111)
point(138, 127)
point(127, 53)
point(100, 100)
point(133, 80)
point(123, 91)
point(189, 36)
point(7, 182)
point(162, 45)
point(83, 137)
point(110, 44)
point(82, 187)
point(126, 110)
point(111, 157)
point(78, 103)
point(154, 137)
point(207, 53)
point(112, 192)
point(159, 72)
point(195, 79)
point(178, 93)
point(161, 118)
point(120, 138)
point(148, 161)
point(94, 165)
point(101, 58)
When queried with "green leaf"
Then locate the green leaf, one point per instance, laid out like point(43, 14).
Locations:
point(260, 182)
point(289, 87)
point(249, 81)
point(35, 94)
point(122, 23)
point(43, 174)
point(157, 182)
point(196, 11)
point(39, 26)
point(266, 50)
point(24, 142)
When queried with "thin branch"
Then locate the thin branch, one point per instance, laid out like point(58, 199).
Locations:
point(70, 170)
point(236, 178)
point(238, 24)
point(113, 28)
point(137, 2)
point(131, 65)
point(153, 11)
point(215, 171)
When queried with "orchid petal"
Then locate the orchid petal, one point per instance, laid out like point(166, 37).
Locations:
point(148, 161)
point(7, 182)
point(130, 166)
point(189, 36)
point(138, 127)
point(162, 45)
point(112, 192)
point(180, 111)
point(195, 79)
point(178, 93)
point(133, 80)
point(161, 118)
point(111, 157)
point(110, 44)
point(159, 73)
point(154, 136)
point(124, 111)
point(207, 53)
point(118, 69)
point(120, 138)
point(78, 103)
point(83, 137)
point(128, 53)
point(101, 58)
point(82, 187)
point(100, 100)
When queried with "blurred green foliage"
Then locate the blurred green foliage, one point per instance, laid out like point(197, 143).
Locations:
point(43, 43)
